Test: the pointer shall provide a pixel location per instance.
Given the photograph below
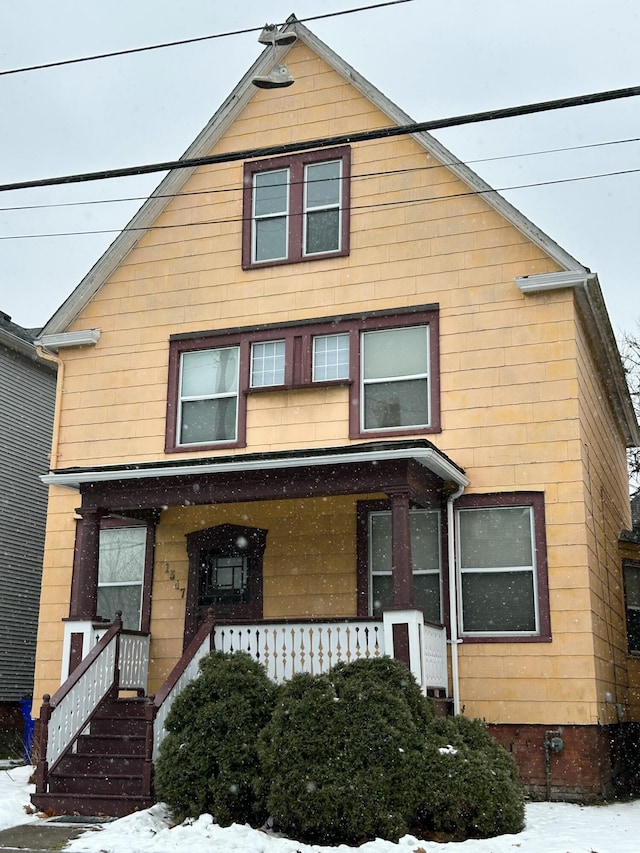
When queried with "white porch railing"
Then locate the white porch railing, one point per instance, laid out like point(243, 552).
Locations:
point(434, 651)
point(134, 661)
point(185, 671)
point(286, 649)
point(66, 714)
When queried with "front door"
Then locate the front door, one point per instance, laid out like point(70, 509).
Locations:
point(225, 575)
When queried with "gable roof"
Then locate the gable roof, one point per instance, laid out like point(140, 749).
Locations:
point(580, 278)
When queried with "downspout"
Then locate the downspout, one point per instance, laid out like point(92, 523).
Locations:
point(453, 597)
point(47, 355)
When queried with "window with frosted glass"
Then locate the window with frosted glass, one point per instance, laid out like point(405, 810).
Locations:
point(270, 215)
point(322, 207)
point(425, 557)
point(267, 363)
point(497, 570)
point(121, 565)
point(330, 357)
point(208, 399)
point(395, 378)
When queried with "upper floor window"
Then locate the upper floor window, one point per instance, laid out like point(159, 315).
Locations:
point(502, 566)
point(395, 378)
point(208, 397)
point(296, 208)
point(389, 363)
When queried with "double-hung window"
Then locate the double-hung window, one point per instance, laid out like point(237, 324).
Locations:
point(387, 362)
point(502, 566)
point(208, 396)
point(296, 208)
point(425, 557)
point(395, 379)
point(121, 571)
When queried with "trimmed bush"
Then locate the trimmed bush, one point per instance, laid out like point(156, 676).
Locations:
point(468, 783)
point(208, 761)
point(337, 757)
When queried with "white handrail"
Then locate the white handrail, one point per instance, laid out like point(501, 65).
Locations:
point(190, 670)
point(70, 714)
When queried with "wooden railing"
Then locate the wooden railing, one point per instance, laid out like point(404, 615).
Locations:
point(67, 712)
point(285, 649)
point(435, 662)
point(184, 672)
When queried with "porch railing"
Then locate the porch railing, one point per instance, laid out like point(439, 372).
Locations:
point(184, 672)
point(434, 657)
point(288, 648)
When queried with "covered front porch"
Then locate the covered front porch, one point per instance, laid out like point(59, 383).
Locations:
point(269, 554)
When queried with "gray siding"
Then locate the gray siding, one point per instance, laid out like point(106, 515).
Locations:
point(27, 396)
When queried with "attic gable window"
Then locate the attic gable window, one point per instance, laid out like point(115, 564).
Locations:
point(296, 208)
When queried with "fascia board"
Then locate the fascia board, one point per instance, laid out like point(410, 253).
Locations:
point(16, 344)
point(428, 457)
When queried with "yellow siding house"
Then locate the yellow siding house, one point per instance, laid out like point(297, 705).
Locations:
point(331, 399)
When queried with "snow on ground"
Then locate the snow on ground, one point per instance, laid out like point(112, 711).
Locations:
point(551, 828)
point(14, 796)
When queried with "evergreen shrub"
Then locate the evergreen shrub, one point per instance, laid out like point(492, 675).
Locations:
point(338, 753)
point(468, 783)
point(208, 761)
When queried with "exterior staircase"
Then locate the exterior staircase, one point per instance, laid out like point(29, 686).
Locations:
point(107, 772)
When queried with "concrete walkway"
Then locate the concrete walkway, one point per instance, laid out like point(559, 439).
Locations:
point(45, 836)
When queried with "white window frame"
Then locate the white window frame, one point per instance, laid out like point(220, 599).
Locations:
point(307, 209)
point(378, 380)
point(283, 214)
point(347, 366)
point(282, 354)
point(416, 572)
point(106, 532)
point(532, 570)
point(197, 397)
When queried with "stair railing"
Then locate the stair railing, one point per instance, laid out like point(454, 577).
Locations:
point(184, 672)
point(65, 714)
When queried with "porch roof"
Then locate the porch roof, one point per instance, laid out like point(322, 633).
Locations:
point(252, 465)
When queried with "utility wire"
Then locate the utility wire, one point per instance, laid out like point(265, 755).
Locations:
point(194, 40)
point(373, 205)
point(361, 176)
point(325, 142)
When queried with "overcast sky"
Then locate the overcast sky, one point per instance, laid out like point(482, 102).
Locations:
point(433, 59)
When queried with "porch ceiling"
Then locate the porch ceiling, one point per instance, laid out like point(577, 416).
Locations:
point(417, 466)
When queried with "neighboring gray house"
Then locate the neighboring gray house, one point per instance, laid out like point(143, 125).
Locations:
point(27, 388)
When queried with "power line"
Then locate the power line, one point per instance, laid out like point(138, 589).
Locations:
point(324, 142)
point(363, 175)
point(373, 205)
point(177, 43)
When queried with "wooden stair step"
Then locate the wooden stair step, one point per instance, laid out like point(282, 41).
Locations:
point(90, 805)
point(96, 784)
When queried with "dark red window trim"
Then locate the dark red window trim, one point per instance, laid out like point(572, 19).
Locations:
point(298, 366)
point(295, 163)
point(363, 510)
point(536, 501)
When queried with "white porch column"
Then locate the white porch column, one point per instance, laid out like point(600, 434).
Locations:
point(403, 639)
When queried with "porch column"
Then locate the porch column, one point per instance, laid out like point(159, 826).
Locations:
point(401, 564)
point(84, 584)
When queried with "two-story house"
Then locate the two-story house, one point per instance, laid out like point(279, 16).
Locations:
point(324, 399)
point(27, 386)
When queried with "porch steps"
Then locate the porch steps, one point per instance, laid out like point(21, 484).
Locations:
point(104, 774)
